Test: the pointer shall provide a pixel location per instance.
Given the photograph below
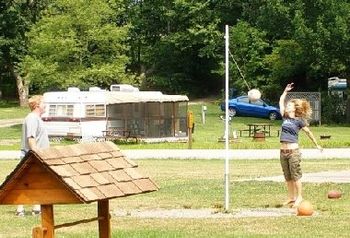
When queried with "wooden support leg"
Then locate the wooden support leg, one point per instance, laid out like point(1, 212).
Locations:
point(104, 225)
point(190, 138)
point(47, 221)
point(38, 232)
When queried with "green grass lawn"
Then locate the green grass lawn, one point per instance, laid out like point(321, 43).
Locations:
point(9, 110)
point(205, 135)
point(199, 184)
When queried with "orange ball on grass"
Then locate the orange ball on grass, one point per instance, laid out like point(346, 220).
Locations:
point(305, 209)
point(334, 194)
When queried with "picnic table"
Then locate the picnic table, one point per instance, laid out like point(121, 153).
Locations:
point(118, 133)
point(253, 128)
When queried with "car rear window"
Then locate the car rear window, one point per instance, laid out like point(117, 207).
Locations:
point(245, 100)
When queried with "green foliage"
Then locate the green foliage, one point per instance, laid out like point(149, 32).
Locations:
point(16, 19)
point(333, 109)
point(175, 83)
point(274, 17)
point(175, 46)
point(75, 45)
point(286, 60)
point(322, 32)
point(286, 64)
point(316, 34)
point(181, 46)
point(247, 46)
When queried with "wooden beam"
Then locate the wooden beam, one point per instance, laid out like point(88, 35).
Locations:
point(47, 221)
point(39, 196)
point(68, 224)
point(104, 225)
point(38, 180)
point(36, 185)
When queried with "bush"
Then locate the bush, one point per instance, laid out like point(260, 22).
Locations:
point(333, 109)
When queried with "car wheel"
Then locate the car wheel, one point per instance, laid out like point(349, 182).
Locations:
point(273, 116)
point(232, 112)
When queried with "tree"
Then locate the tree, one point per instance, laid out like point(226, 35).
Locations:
point(77, 43)
point(286, 64)
point(248, 46)
point(178, 44)
point(271, 16)
point(16, 18)
point(322, 30)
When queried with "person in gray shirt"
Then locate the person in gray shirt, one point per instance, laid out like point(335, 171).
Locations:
point(34, 137)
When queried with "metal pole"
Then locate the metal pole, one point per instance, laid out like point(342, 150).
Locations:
point(204, 109)
point(226, 118)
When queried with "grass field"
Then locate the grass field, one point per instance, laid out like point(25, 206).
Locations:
point(10, 110)
point(195, 184)
point(205, 135)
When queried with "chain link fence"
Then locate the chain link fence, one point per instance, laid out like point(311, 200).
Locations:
point(314, 98)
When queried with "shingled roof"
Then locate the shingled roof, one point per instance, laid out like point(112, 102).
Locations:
point(85, 172)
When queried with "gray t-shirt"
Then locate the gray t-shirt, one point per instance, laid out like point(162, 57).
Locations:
point(290, 129)
point(34, 127)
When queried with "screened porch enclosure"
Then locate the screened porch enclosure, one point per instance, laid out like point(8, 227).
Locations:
point(149, 119)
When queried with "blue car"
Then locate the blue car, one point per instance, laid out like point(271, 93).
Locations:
point(241, 106)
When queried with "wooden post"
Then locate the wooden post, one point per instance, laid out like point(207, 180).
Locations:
point(104, 225)
point(38, 232)
point(47, 221)
point(190, 123)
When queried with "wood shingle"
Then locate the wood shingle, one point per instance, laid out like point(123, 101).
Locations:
point(86, 173)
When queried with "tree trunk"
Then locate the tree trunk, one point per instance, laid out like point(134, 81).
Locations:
point(22, 88)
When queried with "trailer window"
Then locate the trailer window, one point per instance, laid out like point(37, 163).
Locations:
point(61, 110)
point(95, 110)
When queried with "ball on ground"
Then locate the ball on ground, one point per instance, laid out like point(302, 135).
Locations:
point(254, 94)
point(305, 209)
point(334, 194)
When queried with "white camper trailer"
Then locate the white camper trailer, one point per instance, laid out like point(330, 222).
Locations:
point(75, 113)
point(94, 113)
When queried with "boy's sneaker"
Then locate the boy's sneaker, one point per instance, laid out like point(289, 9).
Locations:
point(36, 212)
point(20, 213)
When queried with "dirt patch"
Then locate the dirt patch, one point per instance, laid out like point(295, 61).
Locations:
point(319, 177)
point(9, 141)
point(206, 213)
point(10, 122)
